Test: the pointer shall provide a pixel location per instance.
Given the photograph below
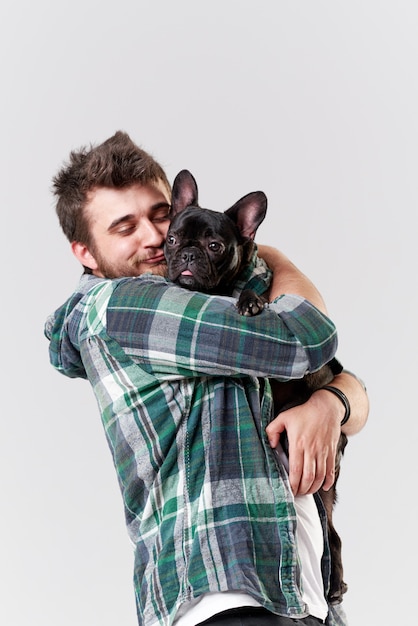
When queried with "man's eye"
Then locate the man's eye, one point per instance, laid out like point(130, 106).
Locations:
point(171, 240)
point(126, 230)
point(214, 246)
point(161, 216)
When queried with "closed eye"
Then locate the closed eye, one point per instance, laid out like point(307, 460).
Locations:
point(161, 213)
point(125, 228)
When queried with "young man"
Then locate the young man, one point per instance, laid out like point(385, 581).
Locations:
point(177, 374)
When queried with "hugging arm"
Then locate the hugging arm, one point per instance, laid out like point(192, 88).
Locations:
point(172, 331)
point(313, 428)
point(287, 278)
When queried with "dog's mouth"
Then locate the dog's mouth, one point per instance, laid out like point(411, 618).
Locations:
point(189, 278)
point(188, 281)
point(177, 273)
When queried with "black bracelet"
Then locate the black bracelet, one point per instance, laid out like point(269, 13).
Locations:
point(343, 399)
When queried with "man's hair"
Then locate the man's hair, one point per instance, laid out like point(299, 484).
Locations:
point(116, 163)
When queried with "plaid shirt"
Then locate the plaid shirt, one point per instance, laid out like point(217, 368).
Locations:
point(177, 379)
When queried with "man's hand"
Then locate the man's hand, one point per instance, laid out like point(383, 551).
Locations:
point(313, 430)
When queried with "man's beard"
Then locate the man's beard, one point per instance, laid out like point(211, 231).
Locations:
point(134, 267)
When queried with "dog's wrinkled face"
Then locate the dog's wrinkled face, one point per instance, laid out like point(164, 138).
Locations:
point(205, 250)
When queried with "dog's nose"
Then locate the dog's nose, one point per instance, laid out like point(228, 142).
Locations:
point(188, 256)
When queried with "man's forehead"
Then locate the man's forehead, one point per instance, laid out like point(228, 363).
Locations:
point(108, 201)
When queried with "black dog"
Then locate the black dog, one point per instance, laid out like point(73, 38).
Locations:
point(205, 251)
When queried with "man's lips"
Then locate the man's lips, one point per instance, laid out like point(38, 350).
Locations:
point(155, 260)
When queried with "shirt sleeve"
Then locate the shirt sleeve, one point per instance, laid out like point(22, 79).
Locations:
point(255, 276)
point(174, 332)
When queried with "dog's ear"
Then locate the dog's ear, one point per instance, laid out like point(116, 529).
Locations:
point(184, 192)
point(249, 212)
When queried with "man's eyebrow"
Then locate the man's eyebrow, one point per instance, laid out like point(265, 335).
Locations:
point(160, 205)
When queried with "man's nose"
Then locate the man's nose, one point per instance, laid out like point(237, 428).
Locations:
point(153, 234)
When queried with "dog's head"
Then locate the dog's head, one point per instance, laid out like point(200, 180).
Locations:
point(205, 249)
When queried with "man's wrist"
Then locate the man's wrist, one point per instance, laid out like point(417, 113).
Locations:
point(344, 400)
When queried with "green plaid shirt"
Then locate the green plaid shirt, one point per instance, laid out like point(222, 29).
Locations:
point(177, 379)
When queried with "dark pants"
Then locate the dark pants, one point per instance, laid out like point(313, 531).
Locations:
point(255, 616)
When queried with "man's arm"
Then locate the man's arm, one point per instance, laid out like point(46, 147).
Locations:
point(287, 278)
point(313, 428)
point(179, 332)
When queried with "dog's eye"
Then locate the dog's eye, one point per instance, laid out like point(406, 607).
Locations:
point(214, 246)
point(171, 240)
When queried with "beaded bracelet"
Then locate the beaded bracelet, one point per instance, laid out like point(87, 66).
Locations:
point(343, 399)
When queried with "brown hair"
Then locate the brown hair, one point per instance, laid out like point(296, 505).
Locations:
point(116, 163)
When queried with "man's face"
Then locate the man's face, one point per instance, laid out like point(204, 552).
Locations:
point(128, 228)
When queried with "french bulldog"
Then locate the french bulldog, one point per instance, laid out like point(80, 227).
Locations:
point(205, 251)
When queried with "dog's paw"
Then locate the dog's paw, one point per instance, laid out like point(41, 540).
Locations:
point(250, 304)
point(336, 593)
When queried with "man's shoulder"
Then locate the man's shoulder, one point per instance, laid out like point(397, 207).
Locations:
point(89, 283)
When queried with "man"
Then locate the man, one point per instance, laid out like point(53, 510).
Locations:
point(208, 506)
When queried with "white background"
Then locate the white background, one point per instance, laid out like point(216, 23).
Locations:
point(315, 102)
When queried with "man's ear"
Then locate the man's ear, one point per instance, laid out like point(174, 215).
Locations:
point(82, 253)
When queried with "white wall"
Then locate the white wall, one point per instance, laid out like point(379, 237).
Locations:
point(313, 102)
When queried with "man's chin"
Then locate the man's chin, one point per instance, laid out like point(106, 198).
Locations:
point(157, 270)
